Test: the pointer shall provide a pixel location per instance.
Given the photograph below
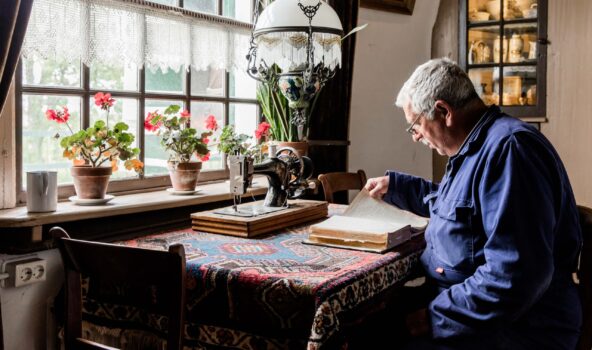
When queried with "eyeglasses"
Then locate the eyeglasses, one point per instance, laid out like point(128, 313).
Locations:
point(410, 129)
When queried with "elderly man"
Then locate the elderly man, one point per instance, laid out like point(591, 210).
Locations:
point(504, 235)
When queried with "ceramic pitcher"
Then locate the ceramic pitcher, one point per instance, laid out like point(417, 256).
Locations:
point(42, 191)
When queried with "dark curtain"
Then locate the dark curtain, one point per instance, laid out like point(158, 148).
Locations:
point(329, 123)
point(14, 17)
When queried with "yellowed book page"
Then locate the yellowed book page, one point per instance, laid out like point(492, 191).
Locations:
point(364, 206)
point(356, 229)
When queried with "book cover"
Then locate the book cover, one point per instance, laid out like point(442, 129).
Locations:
point(368, 224)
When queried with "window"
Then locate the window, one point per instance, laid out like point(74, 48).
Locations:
point(215, 83)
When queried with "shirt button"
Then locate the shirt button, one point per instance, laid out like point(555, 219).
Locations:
point(440, 270)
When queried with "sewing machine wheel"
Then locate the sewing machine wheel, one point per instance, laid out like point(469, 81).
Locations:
point(295, 163)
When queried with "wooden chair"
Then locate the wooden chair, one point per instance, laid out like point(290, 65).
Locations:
point(584, 277)
point(145, 279)
point(341, 181)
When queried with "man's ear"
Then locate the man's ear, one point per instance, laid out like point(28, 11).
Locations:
point(444, 110)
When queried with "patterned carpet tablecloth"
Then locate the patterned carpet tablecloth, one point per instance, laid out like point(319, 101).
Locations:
point(271, 292)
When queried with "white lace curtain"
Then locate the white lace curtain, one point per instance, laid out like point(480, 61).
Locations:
point(114, 31)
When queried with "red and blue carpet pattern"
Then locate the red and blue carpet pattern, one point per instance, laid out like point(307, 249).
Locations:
point(272, 292)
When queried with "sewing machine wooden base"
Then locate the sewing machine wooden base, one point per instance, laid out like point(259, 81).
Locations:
point(300, 211)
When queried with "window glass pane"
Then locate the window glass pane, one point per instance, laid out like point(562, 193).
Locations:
point(169, 81)
point(521, 42)
point(207, 82)
point(208, 6)
point(199, 112)
point(519, 86)
point(40, 150)
point(241, 10)
point(483, 45)
point(115, 76)
point(241, 85)
point(51, 72)
point(486, 82)
point(478, 11)
point(155, 157)
point(516, 9)
point(124, 110)
point(244, 118)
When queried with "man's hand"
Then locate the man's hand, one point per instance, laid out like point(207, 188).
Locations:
point(418, 323)
point(377, 186)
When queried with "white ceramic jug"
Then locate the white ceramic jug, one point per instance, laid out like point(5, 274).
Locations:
point(516, 46)
point(42, 191)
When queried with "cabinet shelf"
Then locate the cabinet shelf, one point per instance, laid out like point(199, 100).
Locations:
point(528, 63)
point(480, 24)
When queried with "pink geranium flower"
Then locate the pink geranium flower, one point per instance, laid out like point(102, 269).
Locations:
point(262, 130)
point(104, 100)
point(148, 122)
point(211, 123)
point(58, 116)
point(185, 114)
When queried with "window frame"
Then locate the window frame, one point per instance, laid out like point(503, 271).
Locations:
point(141, 182)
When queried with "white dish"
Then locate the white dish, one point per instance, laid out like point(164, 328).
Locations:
point(181, 193)
point(91, 201)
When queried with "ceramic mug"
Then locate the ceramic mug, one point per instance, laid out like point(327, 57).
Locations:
point(42, 191)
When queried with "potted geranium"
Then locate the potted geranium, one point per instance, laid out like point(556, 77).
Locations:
point(231, 143)
point(97, 150)
point(182, 142)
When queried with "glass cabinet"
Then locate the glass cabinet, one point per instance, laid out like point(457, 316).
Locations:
point(503, 49)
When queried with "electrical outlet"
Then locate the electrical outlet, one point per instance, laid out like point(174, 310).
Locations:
point(24, 271)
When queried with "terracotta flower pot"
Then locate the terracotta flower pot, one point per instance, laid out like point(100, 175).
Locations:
point(300, 146)
point(184, 175)
point(89, 182)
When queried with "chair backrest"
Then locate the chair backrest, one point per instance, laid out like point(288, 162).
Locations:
point(584, 276)
point(341, 181)
point(149, 280)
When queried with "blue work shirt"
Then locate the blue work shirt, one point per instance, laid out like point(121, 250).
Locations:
point(503, 238)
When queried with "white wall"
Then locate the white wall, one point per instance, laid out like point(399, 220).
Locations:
point(24, 310)
point(387, 52)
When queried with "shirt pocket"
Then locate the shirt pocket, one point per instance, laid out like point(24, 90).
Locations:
point(452, 236)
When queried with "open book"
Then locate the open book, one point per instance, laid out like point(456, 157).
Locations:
point(368, 224)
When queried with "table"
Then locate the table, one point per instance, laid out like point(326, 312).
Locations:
point(272, 292)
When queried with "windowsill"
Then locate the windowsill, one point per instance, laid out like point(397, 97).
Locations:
point(126, 204)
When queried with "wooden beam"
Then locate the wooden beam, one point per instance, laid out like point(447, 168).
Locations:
point(8, 153)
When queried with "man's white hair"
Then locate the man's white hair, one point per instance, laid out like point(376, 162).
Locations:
point(437, 79)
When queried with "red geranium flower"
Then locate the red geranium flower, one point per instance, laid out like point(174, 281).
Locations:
point(211, 123)
point(148, 125)
point(103, 100)
point(206, 140)
point(204, 157)
point(262, 130)
point(58, 116)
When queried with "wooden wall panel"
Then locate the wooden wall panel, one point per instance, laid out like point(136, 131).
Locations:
point(444, 44)
point(7, 153)
point(569, 90)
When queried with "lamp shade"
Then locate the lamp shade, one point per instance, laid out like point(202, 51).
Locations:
point(286, 15)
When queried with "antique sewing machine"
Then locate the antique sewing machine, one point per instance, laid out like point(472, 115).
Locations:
point(287, 173)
